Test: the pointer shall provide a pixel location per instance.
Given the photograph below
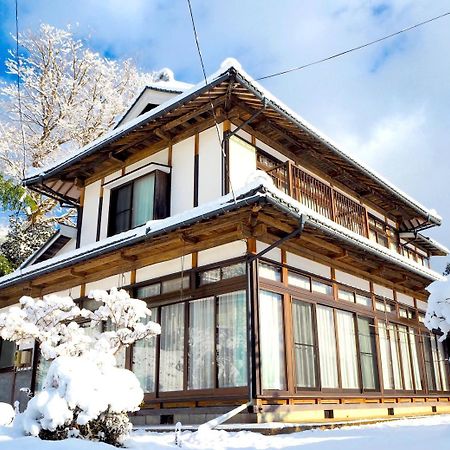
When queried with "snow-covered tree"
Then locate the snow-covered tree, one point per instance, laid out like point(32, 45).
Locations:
point(438, 316)
point(70, 95)
point(84, 393)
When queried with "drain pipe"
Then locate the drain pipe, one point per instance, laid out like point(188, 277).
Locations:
point(251, 266)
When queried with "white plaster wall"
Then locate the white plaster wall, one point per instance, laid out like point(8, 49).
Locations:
point(271, 151)
point(74, 292)
point(242, 162)
point(90, 213)
point(182, 185)
point(351, 280)
point(210, 166)
point(405, 299)
point(421, 306)
point(383, 291)
point(375, 213)
point(274, 254)
point(164, 268)
point(107, 283)
point(222, 252)
point(309, 266)
point(113, 176)
point(161, 157)
point(105, 214)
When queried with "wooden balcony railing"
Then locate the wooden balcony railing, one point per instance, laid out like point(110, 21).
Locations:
point(319, 197)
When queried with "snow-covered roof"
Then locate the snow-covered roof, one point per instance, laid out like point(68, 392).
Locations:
point(259, 188)
point(229, 68)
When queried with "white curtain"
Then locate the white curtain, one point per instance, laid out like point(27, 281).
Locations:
point(172, 348)
point(415, 359)
point(327, 347)
point(143, 194)
point(395, 357)
point(272, 340)
point(442, 366)
point(144, 360)
point(201, 344)
point(434, 352)
point(348, 357)
point(305, 366)
point(385, 354)
point(232, 340)
point(405, 356)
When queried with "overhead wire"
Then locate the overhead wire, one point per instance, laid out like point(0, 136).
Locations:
point(197, 43)
point(353, 49)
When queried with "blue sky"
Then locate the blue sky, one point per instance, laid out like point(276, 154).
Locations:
point(388, 104)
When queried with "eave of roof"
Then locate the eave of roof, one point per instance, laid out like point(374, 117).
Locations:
point(261, 189)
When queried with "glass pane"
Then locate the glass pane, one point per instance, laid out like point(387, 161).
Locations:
point(175, 284)
point(327, 347)
point(269, 271)
point(415, 359)
point(385, 354)
point(363, 300)
point(304, 344)
point(429, 367)
point(232, 340)
point(41, 372)
point(122, 198)
point(143, 196)
point(7, 350)
point(403, 313)
point(347, 349)
point(201, 344)
point(367, 348)
point(151, 290)
point(172, 348)
point(395, 357)
point(442, 366)
point(405, 356)
point(436, 363)
point(299, 281)
point(346, 295)
point(236, 270)
point(321, 288)
point(144, 359)
point(122, 222)
point(209, 276)
point(272, 340)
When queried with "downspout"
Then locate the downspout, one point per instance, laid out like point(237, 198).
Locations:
point(251, 271)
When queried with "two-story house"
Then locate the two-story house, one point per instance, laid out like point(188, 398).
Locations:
point(301, 288)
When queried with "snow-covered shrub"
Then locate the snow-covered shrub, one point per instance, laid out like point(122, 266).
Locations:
point(438, 316)
point(84, 393)
point(6, 414)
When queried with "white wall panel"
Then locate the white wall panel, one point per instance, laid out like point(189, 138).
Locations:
point(210, 166)
point(351, 280)
point(309, 266)
point(242, 162)
point(383, 291)
point(274, 254)
point(222, 252)
point(161, 157)
point(182, 185)
point(90, 213)
point(164, 268)
point(405, 299)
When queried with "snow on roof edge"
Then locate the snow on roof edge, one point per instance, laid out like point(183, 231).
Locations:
point(259, 181)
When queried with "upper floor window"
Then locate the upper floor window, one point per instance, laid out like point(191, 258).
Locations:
point(134, 203)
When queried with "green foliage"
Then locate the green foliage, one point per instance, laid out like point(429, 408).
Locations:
point(14, 197)
point(5, 265)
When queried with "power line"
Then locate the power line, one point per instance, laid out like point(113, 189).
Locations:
point(359, 47)
point(197, 43)
point(19, 97)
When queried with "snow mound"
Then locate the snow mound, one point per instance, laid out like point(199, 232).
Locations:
point(230, 62)
point(6, 414)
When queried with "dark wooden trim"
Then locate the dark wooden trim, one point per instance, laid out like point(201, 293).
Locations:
point(196, 168)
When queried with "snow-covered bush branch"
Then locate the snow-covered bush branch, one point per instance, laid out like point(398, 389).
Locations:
point(84, 392)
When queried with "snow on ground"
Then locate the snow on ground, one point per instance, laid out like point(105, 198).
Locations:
point(406, 434)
